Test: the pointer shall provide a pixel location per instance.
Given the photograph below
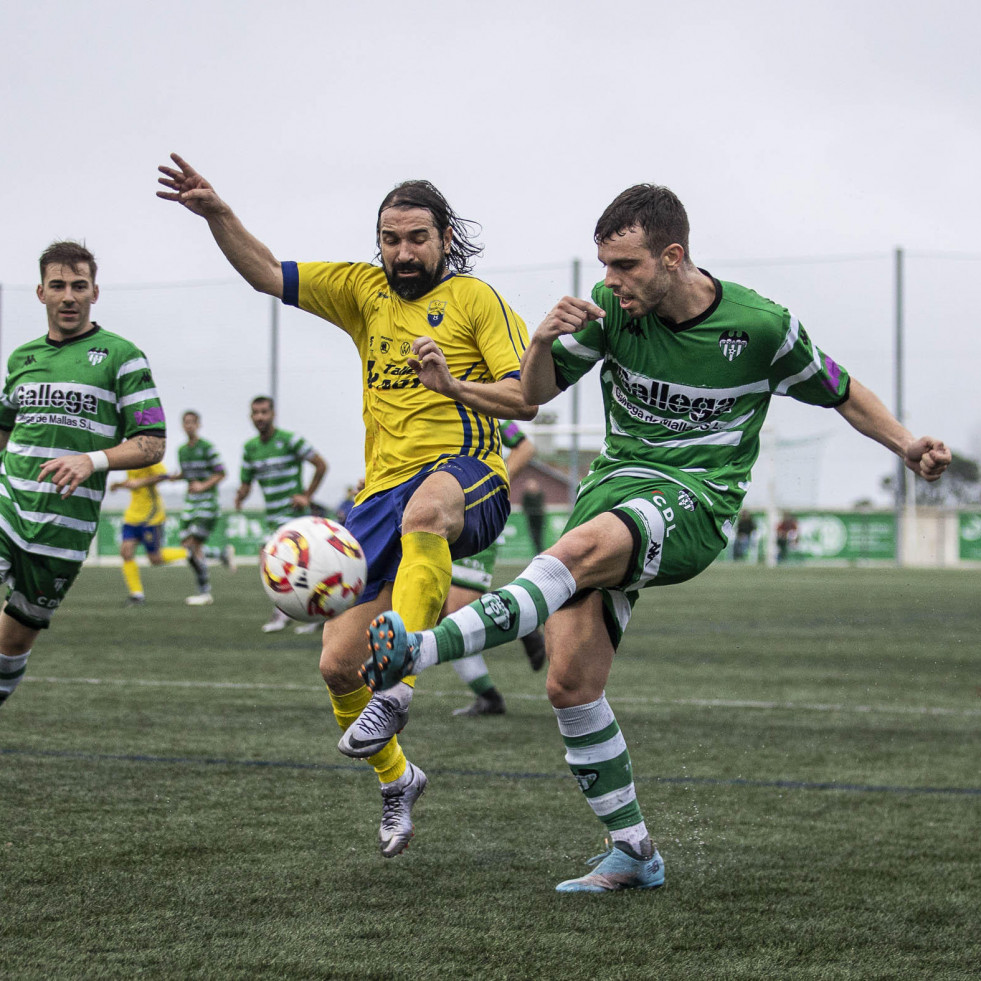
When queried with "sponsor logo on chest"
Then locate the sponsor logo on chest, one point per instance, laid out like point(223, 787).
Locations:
point(48, 396)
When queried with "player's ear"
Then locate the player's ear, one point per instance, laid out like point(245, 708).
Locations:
point(447, 240)
point(95, 292)
point(673, 256)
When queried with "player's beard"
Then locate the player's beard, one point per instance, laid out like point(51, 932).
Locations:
point(420, 285)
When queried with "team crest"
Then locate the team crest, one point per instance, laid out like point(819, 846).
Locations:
point(586, 778)
point(687, 501)
point(732, 344)
point(497, 611)
point(435, 311)
point(97, 355)
point(59, 584)
point(385, 345)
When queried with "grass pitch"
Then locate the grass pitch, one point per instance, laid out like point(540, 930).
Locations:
point(805, 744)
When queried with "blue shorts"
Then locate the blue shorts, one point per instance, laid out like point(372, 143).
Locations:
point(149, 536)
point(377, 521)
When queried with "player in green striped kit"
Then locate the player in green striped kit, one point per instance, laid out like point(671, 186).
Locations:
point(275, 459)
point(77, 402)
point(202, 468)
point(688, 365)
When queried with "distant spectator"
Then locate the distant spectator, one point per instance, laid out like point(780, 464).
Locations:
point(786, 536)
point(745, 530)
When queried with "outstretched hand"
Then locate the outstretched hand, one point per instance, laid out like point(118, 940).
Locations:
point(189, 188)
point(566, 317)
point(927, 457)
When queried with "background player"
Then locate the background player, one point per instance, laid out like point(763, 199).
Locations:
point(275, 458)
point(143, 524)
point(689, 365)
point(473, 576)
point(435, 481)
point(52, 472)
point(202, 468)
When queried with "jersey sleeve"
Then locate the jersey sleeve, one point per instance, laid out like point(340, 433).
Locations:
point(334, 291)
point(247, 470)
point(214, 459)
point(574, 354)
point(511, 434)
point(301, 449)
point(500, 333)
point(8, 409)
point(803, 371)
point(138, 402)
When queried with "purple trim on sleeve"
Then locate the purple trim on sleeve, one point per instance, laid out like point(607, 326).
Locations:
point(833, 371)
point(149, 417)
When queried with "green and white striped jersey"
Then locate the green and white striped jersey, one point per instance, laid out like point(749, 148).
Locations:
point(60, 398)
point(278, 467)
point(686, 402)
point(200, 461)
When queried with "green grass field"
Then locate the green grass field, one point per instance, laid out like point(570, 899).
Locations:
point(805, 742)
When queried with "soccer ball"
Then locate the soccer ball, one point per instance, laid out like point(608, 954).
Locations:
point(312, 569)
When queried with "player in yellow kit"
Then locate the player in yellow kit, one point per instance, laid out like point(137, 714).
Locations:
point(143, 523)
point(440, 353)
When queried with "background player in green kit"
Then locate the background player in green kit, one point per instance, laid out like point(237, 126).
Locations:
point(76, 402)
point(689, 365)
point(275, 459)
point(473, 576)
point(202, 468)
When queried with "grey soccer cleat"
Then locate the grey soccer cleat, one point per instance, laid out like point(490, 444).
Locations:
point(396, 824)
point(382, 718)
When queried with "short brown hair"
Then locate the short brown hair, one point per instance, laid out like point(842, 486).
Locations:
point(67, 253)
point(654, 209)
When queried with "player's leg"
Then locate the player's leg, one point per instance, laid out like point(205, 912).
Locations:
point(471, 577)
point(401, 782)
point(597, 553)
point(40, 583)
point(463, 500)
point(579, 666)
point(16, 641)
point(193, 542)
point(131, 537)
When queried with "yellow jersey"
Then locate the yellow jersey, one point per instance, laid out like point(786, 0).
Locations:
point(407, 426)
point(145, 504)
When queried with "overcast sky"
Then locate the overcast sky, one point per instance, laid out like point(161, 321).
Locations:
point(807, 141)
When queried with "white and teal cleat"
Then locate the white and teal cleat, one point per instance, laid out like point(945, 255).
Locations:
point(393, 652)
point(621, 867)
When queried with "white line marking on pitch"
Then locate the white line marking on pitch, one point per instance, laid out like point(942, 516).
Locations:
point(724, 703)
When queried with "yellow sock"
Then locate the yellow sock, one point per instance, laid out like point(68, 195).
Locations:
point(422, 582)
point(389, 762)
point(131, 573)
point(174, 554)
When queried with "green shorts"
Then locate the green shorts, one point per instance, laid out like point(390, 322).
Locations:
point(676, 535)
point(197, 526)
point(476, 572)
point(36, 584)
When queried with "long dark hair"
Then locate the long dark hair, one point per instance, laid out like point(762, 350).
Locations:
point(422, 194)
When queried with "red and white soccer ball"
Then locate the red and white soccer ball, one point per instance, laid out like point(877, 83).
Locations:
point(313, 569)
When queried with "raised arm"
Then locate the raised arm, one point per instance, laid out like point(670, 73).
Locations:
point(67, 472)
point(251, 259)
point(927, 457)
point(570, 314)
point(501, 399)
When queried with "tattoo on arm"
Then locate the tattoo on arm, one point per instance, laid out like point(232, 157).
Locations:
point(151, 448)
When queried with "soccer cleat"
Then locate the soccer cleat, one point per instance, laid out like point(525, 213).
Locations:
point(200, 599)
point(228, 558)
point(396, 823)
point(135, 599)
point(277, 623)
point(621, 867)
point(393, 652)
point(534, 645)
point(308, 628)
point(490, 702)
point(382, 718)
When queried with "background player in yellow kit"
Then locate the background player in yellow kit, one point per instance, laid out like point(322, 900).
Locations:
point(440, 354)
point(143, 523)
